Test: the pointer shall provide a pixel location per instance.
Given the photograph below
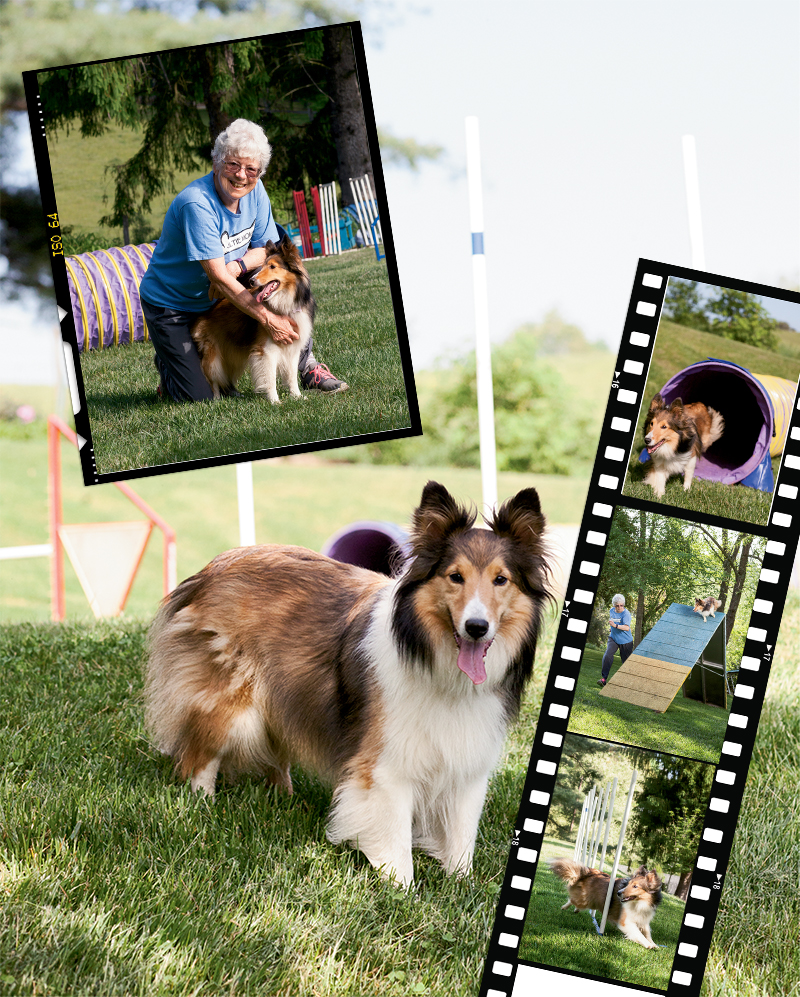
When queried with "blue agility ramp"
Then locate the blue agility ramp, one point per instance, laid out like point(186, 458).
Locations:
point(680, 651)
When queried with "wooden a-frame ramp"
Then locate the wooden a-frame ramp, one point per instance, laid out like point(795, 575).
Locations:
point(663, 661)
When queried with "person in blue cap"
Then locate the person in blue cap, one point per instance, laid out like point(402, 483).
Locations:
point(620, 636)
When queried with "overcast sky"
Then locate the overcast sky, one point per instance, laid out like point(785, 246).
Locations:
point(582, 106)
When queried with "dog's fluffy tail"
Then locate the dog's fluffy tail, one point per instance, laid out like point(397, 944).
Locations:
point(570, 871)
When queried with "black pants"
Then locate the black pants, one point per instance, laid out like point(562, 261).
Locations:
point(608, 657)
point(177, 359)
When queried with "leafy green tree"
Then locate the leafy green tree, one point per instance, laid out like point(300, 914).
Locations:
point(670, 806)
point(684, 305)
point(577, 772)
point(741, 316)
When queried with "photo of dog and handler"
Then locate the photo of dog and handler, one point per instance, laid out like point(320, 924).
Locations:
point(637, 816)
point(716, 406)
point(666, 637)
point(216, 232)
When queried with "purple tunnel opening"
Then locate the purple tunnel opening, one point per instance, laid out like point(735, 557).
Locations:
point(745, 405)
point(378, 546)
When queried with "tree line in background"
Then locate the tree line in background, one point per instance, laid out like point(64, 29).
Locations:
point(301, 87)
point(722, 311)
point(296, 104)
point(657, 560)
point(669, 803)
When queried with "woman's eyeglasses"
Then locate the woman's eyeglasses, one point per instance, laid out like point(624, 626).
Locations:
point(236, 169)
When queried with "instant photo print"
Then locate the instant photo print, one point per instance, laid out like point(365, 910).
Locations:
point(675, 721)
point(341, 229)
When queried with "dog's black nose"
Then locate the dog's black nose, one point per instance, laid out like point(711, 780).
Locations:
point(476, 628)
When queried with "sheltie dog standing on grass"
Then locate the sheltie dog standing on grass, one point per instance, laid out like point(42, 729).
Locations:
point(675, 436)
point(633, 900)
point(707, 607)
point(227, 338)
point(398, 691)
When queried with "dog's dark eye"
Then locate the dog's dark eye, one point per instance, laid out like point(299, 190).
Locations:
point(500, 580)
point(457, 577)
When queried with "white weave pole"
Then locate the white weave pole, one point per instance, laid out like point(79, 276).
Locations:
point(618, 852)
point(330, 218)
point(693, 203)
point(247, 512)
point(483, 349)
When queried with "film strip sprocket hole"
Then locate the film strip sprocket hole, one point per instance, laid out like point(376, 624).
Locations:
point(508, 972)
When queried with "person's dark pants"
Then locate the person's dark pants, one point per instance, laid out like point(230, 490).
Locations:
point(177, 359)
point(608, 657)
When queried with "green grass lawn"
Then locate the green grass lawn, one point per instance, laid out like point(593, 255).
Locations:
point(687, 728)
point(355, 334)
point(676, 348)
point(568, 940)
point(115, 880)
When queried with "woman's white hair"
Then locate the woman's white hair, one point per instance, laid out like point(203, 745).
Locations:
point(618, 599)
point(242, 138)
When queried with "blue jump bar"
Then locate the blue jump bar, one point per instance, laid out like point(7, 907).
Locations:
point(477, 243)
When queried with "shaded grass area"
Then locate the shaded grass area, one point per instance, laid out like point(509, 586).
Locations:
point(568, 940)
point(298, 501)
point(355, 334)
point(676, 348)
point(117, 880)
point(687, 728)
point(754, 952)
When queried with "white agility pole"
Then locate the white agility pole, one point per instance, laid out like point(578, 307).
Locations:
point(587, 829)
point(618, 852)
point(483, 349)
point(602, 816)
point(581, 828)
point(247, 512)
point(330, 218)
point(693, 203)
point(608, 821)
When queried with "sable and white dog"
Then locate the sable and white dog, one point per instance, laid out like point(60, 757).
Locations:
point(227, 338)
point(398, 691)
point(675, 436)
point(633, 900)
point(707, 607)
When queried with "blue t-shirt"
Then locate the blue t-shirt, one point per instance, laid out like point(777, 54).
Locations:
point(621, 636)
point(198, 226)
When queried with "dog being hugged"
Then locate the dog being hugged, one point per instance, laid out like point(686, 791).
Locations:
point(707, 607)
point(633, 900)
point(227, 338)
point(675, 436)
point(398, 691)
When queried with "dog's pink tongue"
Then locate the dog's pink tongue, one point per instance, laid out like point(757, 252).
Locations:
point(470, 659)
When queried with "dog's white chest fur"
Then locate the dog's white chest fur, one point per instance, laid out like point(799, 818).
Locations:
point(273, 359)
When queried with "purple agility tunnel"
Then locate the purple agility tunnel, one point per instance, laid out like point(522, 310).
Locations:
point(369, 544)
point(104, 292)
point(756, 409)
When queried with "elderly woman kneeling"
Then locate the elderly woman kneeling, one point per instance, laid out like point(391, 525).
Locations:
point(214, 230)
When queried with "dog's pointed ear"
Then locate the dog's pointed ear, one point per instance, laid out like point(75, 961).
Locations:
point(271, 248)
point(520, 517)
point(657, 403)
point(438, 515)
point(676, 405)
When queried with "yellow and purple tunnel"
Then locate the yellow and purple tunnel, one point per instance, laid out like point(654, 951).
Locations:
point(104, 292)
point(757, 409)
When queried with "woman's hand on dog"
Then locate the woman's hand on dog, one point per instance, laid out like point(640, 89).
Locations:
point(282, 328)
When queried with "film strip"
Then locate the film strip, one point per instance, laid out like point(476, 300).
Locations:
point(514, 966)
